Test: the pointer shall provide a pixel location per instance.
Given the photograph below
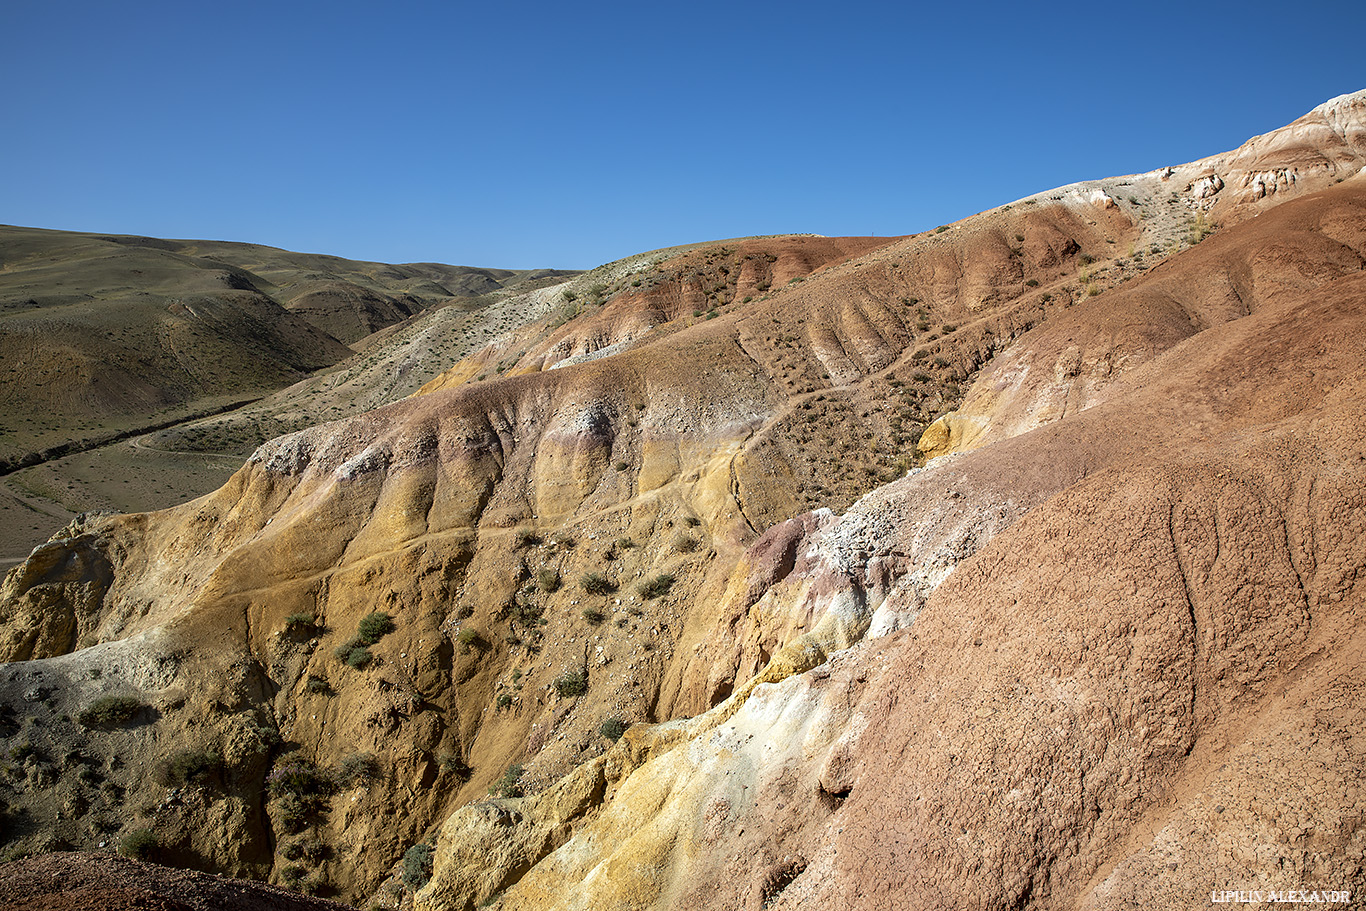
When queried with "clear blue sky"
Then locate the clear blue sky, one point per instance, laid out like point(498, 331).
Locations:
point(566, 135)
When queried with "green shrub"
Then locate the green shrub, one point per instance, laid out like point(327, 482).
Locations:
point(299, 777)
point(620, 466)
point(510, 784)
point(293, 874)
point(571, 683)
point(469, 639)
point(110, 711)
point(454, 765)
point(525, 537)
point(301, 624)
point(686, 545)
point(318, 685)
point(504, 701)
point(310, 847)
point(302, 791)
point(266, 737)
point(359, 768)
point(355, 652)
point(22, 750)
point(417, 866)
point(528, 614)
point(191, 767)
point(140, 844)
point(612, 729)
point(593, 615)
point(374, 627)
point(548, 580)
point(1032, 283)
point(356, 656)
point(596, 584)
point(656, 587)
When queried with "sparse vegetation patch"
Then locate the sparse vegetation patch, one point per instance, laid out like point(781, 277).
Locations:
point(302, 789)
point(656, 586)
point(140, 844)
point(110, 711)
point(358, 769)
point(301, 624)
point(417, 866)
point(355, 652)
point(596, 584)
point(510, 783)
point(571, 683)
point(191, 767)
point(374, 627)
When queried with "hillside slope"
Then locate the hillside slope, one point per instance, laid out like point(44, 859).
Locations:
point(633, 521)
point(1147, 630)
point(103, 332)
point(104, 338)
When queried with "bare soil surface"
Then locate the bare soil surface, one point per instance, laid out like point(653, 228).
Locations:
point(83, 881)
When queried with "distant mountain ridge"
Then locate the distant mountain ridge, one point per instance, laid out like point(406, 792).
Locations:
point(127, 331)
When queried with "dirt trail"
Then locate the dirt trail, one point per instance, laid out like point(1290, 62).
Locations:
point(62, 450)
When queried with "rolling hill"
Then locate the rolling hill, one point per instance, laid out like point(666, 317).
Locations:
point(105, 338)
